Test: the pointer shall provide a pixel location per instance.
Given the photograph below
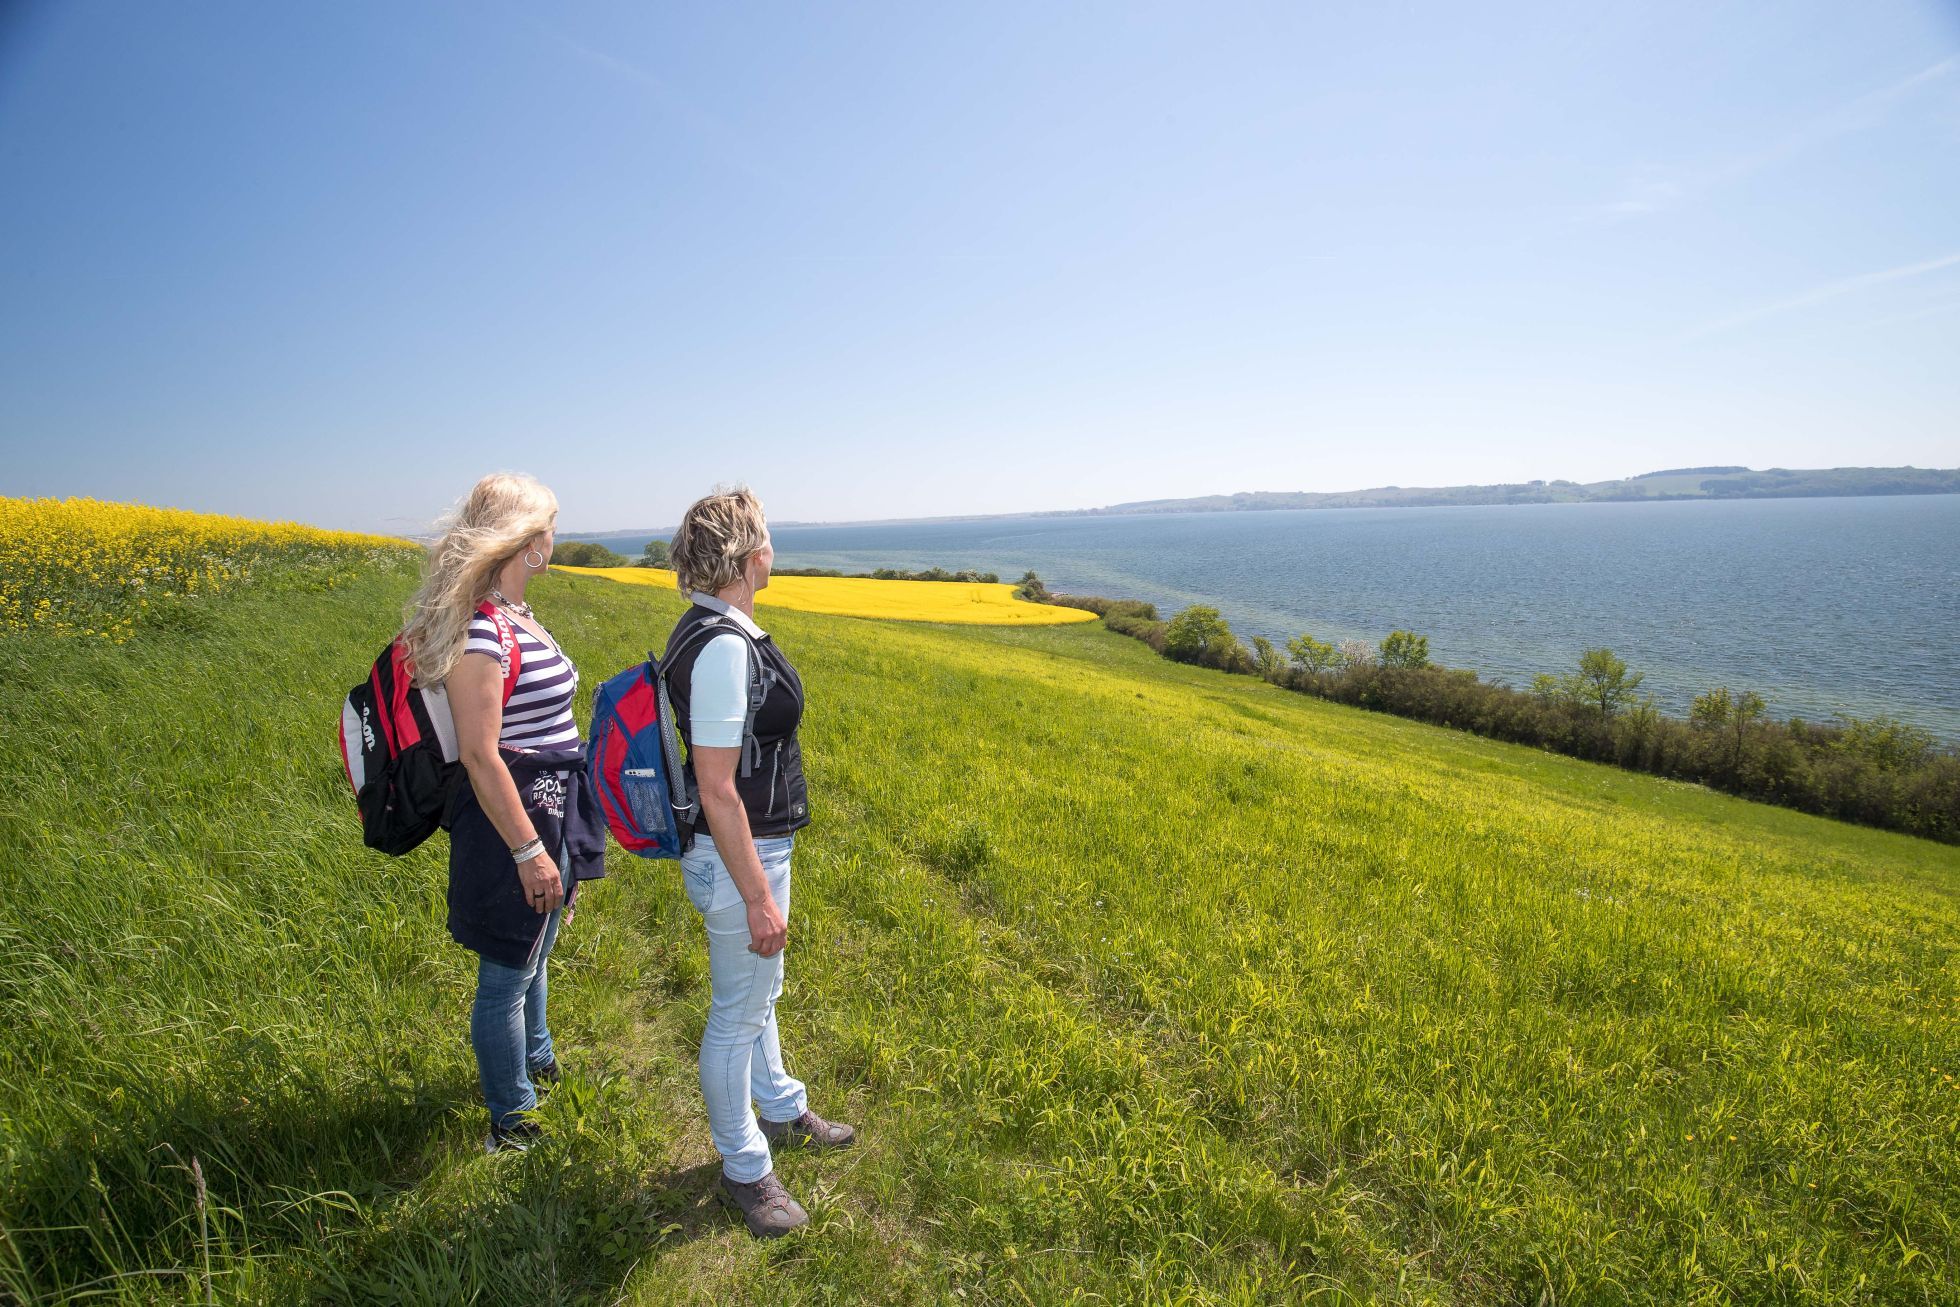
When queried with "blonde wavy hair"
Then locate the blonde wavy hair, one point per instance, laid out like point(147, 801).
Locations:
point(717, 537)
point(493, 524)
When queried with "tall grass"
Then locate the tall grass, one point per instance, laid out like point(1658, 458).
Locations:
point(1144, 985)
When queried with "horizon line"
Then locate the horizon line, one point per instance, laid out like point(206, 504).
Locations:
point(1113, 509)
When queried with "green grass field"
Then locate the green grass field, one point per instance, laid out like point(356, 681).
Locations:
point(1144, 984)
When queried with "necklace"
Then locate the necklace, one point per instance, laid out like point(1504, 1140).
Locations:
point(521, 609)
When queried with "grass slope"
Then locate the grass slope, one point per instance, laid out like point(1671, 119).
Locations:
point(1145, 984)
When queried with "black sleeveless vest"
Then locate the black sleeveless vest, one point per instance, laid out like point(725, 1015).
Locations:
point(773, 793)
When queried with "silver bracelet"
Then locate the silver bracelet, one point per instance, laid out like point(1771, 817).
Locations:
point(525, 852)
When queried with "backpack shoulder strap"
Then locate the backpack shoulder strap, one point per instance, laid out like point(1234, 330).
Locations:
point(707, 629)
point(752, 747)
point(511, 653)
point(695, 633)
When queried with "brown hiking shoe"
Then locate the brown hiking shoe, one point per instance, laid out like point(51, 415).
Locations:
point(766, 1207)
point(811, 1130)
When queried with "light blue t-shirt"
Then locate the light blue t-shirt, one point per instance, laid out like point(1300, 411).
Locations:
point(718, 693)
point(718, 687)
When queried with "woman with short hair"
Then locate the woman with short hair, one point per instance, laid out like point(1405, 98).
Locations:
point(737, 702)
point(526, 829)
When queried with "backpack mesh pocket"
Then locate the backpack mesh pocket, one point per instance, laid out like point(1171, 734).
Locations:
point(646, 796)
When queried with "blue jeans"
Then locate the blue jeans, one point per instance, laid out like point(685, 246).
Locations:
point(507, 1027)
point(740, 1057)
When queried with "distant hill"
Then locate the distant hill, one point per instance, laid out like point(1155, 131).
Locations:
point(1671, 483)
point(1712, 483)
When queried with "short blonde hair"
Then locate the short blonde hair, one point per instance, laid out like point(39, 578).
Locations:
point(717, 537)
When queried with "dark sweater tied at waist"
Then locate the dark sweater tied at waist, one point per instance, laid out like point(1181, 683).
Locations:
point(489, 911)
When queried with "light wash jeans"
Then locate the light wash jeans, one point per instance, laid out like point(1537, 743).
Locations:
point(507, 1026)
point(740, 1057)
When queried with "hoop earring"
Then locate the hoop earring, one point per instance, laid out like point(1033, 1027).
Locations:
point(529, 554)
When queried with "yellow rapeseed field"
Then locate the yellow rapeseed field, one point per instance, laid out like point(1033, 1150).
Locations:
point(965, 603)
point(84, 567)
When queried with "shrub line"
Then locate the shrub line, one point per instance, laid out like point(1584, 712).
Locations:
point(1876, 771)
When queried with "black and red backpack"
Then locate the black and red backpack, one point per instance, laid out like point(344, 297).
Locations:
point(398, 743)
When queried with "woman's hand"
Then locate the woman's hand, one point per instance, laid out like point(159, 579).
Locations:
point(542, 885)
point(768, 932)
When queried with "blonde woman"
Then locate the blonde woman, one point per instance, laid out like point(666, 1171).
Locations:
point(525, 830)
point(737, 702)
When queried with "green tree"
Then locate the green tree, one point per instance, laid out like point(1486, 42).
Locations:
point(585, 553)
point(1710, 710)
point(1312, 655)
point(1192, 631)
point(1730, 714)
point(1889, 743)
point(1031, 589)
point(1265, 657)
point(1603, 682)
point(1636, 729)
point(656, 554)
point(1405, 649)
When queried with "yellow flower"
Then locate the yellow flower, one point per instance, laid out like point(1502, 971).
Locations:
point(965, 603)
point(83, 566)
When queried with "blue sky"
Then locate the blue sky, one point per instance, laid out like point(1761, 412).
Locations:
point(332, 261)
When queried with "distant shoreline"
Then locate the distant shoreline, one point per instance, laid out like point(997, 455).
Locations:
point(1671, 485)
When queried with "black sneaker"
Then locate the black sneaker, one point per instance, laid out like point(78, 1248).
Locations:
point(516, 1137)
point(545, 1077)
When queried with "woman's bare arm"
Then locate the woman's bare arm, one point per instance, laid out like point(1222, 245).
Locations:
point(728, 822)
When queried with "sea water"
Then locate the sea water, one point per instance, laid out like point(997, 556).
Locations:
point(1820, 605)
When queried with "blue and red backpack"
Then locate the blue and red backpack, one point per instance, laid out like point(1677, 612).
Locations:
point(634, 761)
point(398, 744)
